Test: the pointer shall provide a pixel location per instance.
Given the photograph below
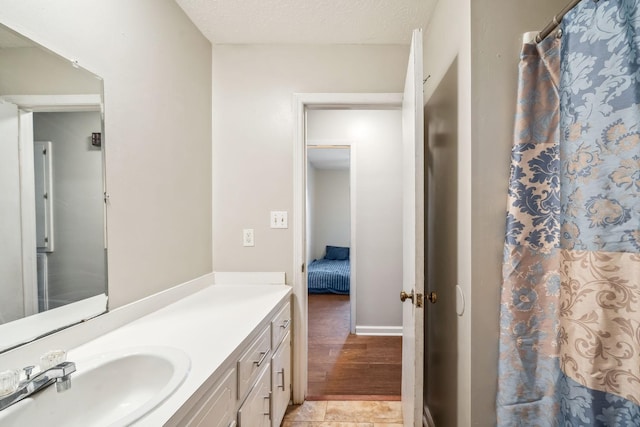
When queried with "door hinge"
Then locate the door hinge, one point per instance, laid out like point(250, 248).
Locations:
point(302, 268)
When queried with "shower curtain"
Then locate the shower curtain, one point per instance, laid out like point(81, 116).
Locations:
point(570, 303)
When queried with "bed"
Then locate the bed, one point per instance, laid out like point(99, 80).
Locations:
point(331, 274)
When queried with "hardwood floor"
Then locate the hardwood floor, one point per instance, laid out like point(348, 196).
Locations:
point(342, 366)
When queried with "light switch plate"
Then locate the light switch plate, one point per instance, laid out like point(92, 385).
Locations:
point(247, 237)
point(279, 219)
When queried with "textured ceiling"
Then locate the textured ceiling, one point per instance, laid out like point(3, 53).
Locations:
point(308, 22)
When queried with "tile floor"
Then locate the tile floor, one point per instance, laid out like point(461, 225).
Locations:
point(344, 414)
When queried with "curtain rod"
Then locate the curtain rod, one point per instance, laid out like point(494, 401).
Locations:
point(548, 29)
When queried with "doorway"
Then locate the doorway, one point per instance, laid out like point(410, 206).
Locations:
point(330, 214)
point(358, 351)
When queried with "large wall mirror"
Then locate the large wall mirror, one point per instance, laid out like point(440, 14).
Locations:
point(53, 249)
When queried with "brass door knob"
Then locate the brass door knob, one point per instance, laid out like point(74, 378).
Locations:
point(432, 297)
point(405, 296)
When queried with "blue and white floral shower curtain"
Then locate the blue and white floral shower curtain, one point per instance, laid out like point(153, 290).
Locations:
point(570, 308)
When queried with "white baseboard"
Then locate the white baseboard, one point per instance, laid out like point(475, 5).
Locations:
point(395, 331)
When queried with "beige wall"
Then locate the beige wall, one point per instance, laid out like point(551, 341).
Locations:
point(34, 71)
point(253, 123)
point(157, 80)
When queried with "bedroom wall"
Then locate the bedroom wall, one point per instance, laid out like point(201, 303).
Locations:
point(332, 213)
point(376, 137)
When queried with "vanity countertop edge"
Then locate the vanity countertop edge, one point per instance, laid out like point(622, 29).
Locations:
point(209, 326)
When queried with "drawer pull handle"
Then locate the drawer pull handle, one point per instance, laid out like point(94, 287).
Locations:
point(281, 385)
point(285, 324)
point(269, 410)
point(263, 355)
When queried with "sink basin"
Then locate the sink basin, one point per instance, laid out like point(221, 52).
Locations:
point(110, 389)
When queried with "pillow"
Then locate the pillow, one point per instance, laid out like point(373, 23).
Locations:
point(337, 253)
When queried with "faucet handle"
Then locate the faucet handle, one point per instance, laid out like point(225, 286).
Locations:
point(52, 358)
point(9, 381)
point(28, 370)
point(63, 382)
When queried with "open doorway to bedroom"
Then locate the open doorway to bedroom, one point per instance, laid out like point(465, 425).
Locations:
point(354, 253)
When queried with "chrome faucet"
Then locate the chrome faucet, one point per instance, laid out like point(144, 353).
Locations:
point(59, 374)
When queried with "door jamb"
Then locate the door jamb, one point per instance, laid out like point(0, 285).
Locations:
point(302, 101)
point(351, 146)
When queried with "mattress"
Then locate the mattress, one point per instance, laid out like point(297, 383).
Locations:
point(328, 276)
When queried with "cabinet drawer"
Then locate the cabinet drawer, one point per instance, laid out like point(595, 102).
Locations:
point(280, 381)
point(280, 325)
point(252, 362)
point(256, 410)
point(216, 408)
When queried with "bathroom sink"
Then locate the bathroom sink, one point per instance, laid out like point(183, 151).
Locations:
point(110, 389)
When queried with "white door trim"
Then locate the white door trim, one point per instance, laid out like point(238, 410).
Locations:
point(55, 103)
point(353, 288)
point(301, 101)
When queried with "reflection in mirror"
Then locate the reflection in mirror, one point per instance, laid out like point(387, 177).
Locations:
point(53, 251)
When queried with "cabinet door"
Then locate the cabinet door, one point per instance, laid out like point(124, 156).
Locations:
point(280, 325)
point(252, 362)
point(281, 381)
point(217, 409)
point(256, 410)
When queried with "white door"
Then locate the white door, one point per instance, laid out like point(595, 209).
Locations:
point(413, 237)
point(18, 261)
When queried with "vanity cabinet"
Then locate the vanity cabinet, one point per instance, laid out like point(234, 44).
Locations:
point(256, 409)
point(255, 388)
point(217, 408)
point(280, 364)
point(281, 380)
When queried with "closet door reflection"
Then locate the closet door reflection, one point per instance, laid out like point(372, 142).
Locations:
point(69, 208)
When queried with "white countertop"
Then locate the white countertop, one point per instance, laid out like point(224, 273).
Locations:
point(208, 325)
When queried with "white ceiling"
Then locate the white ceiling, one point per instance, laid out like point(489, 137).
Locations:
point(329, 158)
point(308, 22)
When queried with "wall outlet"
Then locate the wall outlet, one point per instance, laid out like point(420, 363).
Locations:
point(279, 219)
point(247, 237)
